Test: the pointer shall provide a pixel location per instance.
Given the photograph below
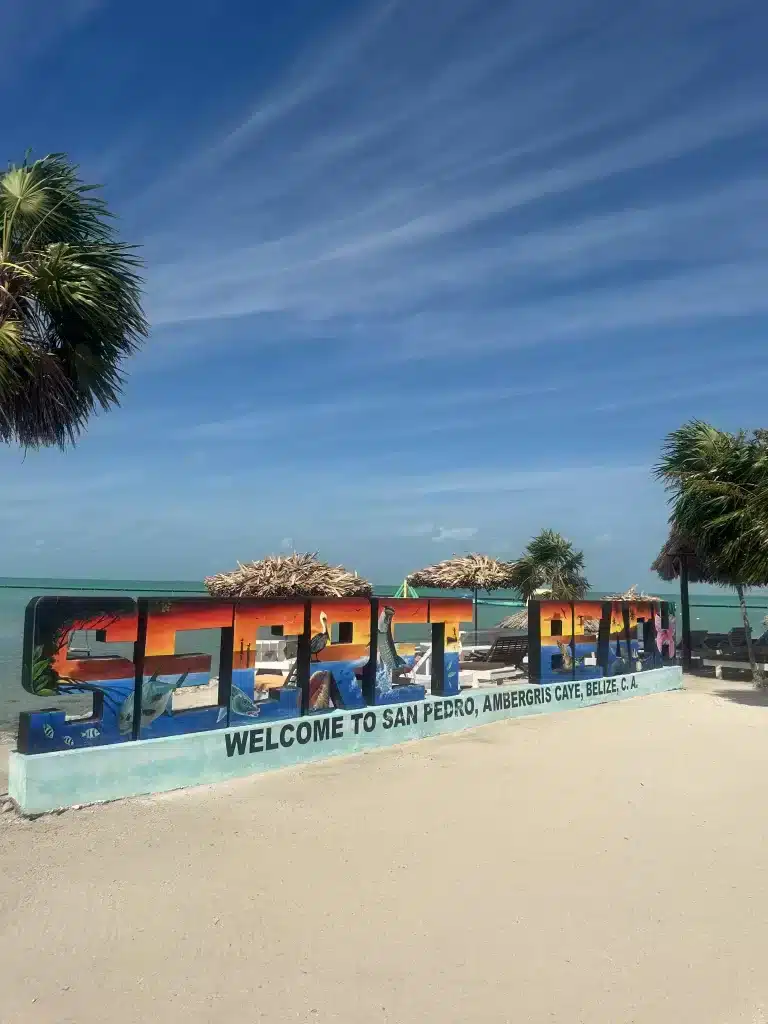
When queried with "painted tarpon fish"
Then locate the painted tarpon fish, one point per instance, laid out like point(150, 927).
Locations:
point(395, 666)
point(155, 700)
point(239, 704)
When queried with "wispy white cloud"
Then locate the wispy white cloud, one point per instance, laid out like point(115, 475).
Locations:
point(276, 415)
point(497, 480)
point(542, 200)
point(28, 29)
point(446, 533)
point(497, 175)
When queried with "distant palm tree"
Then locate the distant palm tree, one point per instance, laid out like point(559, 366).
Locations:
point(718, 487)
point(550, 562)
point(70, 303)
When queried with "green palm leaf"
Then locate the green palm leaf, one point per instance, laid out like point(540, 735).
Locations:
point(44, 678)
point(718, 490)
point(550, 561)
point(70, 304)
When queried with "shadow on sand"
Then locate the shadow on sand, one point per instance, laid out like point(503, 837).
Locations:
point(750, 697)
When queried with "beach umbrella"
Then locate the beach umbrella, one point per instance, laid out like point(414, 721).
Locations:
point(465, 572)
point(679, 559)
point(633, 594)
point(406, 590)
point(295, 575)
point(517, 621)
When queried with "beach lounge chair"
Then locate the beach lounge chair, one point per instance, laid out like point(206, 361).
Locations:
point(505, 651)
point(737, 638)
point(715, 642)
point(698, 639)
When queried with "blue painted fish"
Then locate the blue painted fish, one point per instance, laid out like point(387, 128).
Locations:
point(155, 700)
point(239, 704)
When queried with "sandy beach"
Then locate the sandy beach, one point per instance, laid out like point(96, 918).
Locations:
point(603, 866)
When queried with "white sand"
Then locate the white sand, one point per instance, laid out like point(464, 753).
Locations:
point(605, 866)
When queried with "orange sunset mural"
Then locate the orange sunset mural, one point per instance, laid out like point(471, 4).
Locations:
point(343, 654)
point(591, 639)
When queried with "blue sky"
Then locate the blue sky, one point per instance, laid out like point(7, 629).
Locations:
point(422, 277)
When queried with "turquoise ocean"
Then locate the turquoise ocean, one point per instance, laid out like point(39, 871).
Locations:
point(715, 612)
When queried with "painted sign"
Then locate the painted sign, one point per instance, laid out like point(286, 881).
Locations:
point(344, 656)
point(60, 779)
point(597, 639)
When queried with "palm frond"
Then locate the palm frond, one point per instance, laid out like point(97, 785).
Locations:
point(718, 491)
point(550, 561)
point(70, 304)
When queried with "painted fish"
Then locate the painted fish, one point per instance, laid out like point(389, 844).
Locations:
point(48, 730)
point(320, 690)
point(390, 664)
point(90, 734)
point(155, 700)
point(383, 678)
point(241, 704)
point(69, 741)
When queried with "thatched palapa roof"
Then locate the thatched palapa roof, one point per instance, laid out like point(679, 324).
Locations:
point(669, 560)
point(465, 572)
point(633, 594)
point(519, 620)
point(296, 575)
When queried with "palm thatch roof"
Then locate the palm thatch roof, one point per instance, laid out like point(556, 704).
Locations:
point(519, 620)
point(296, 575)
point(668, 562)
point(462, 572)
point(633, 594)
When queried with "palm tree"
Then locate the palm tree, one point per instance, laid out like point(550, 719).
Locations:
point(70, 303)
point(550, 563)
point(718, 487)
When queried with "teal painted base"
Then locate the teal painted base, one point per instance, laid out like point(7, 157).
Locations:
point(48, 782)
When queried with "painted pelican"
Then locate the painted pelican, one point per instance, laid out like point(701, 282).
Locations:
point(318, 643)
point(320, 640)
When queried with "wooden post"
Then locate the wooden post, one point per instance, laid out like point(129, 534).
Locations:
point(304, 657)
point(686, 612)
point(226, 662)
point(437, 677)
point(139, 649)
point(369, 670)
point(534, 641)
